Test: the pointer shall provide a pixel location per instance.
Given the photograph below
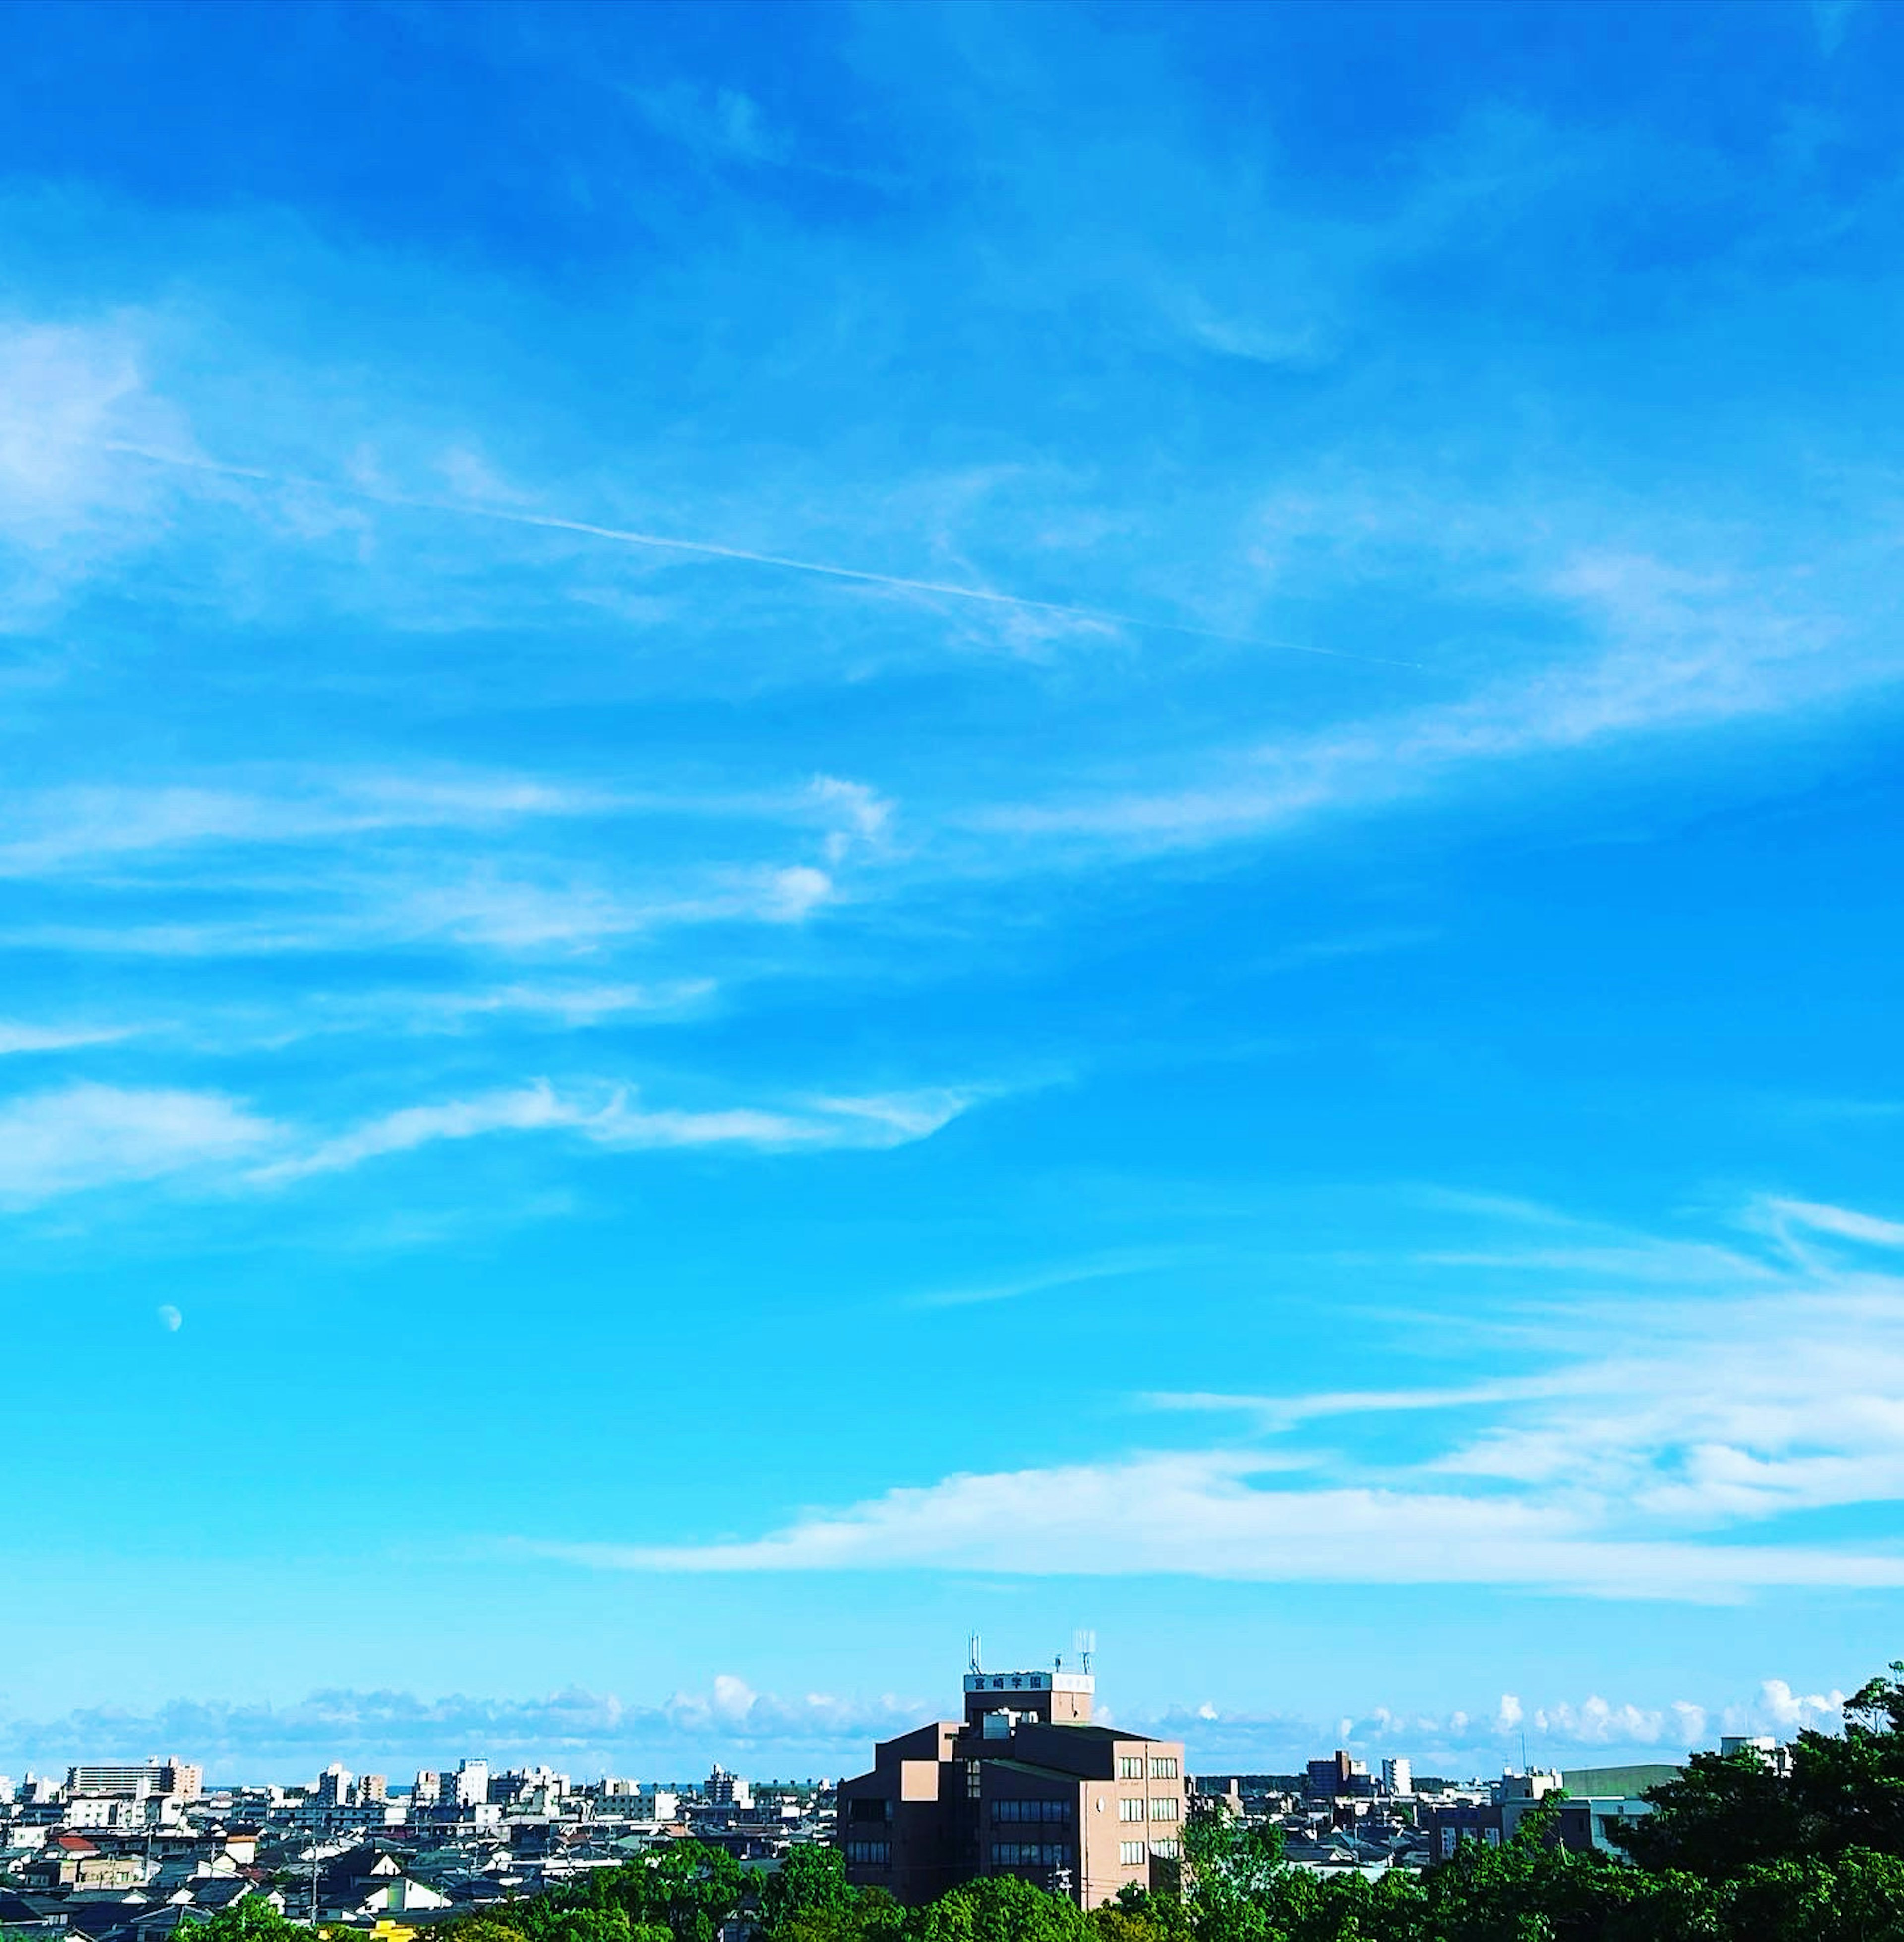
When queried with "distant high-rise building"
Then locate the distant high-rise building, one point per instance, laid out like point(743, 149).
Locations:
point(137, 1783)
point(116, 1783)
point(427, 1790)
point(373, 1790)
point(472, 1782)
point(727, 1789)
point(1397, 1777)
point(1339, 1775)
point(334, 1785)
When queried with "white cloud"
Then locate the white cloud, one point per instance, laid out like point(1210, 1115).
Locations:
point(15, 1037)
point(389, 1728)
point(577, 1006)
point(1780, 1710)
point(1844, 1222)
point(65, 390)
point(82, 826)
point(717, 124)
point(85, 1135)
point(613, 1117)
point(169, 1319)
point(1213, 1514)
point(1673, 649)
point(860, 815)
point(1639, 1470)
point(525, 1109)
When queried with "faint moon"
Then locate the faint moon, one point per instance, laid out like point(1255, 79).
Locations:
point(169, 1316)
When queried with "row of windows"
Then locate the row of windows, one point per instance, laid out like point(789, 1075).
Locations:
point(1130, 1853)
point(1166, 1807)
point(1031, 1854)
point(874, 1853)
point(1162, 1766)
point(1164, 1851)
point(865, 1808)
point(1451, 1838)
point(1060, 1811)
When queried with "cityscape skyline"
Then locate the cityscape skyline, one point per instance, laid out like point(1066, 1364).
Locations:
point(821, 823)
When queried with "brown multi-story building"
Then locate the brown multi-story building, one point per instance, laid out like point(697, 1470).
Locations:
point(1025, 1784)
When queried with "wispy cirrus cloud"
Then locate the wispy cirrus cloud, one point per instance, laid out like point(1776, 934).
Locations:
point(86, 1135)
point(1843, 1223)
point(17, 1036)
point(618, 1120)
point(1671, 656)
point(82, 825)
point(717, 124)
point(1668, 1466)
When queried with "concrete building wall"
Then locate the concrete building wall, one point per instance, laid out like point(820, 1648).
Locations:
point(1027, 1788)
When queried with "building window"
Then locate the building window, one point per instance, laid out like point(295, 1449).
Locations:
point(1031, 1854)
point(1164, 1851)
point(870, 1854)
point(1163, 1767)
point(1166, 1807)
point(865, 1808)
point(1130, 1854)
point(1058, 1813)
point(1130, 1766)
point(1129, 1807)
point(972, 1787)
point(1491, 1836)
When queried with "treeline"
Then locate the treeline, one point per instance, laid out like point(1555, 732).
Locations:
point(1732, 1853)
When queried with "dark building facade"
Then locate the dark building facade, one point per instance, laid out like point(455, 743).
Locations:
point(1025, 1784)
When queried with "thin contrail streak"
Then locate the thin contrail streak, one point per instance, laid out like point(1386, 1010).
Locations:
point(709, 549)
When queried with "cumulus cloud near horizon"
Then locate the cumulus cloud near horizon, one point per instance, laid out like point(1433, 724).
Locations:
point(587, 1731)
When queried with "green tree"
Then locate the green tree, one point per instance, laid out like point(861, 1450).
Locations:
point(1859, 1898)
point(811, 1881)
point(1725, 1813)
point(996, 1908)
point(1729, 1813)
point(253, 1919)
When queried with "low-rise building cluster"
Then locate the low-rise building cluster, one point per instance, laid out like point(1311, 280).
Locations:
point(124, 1853)
point(1336, 1817)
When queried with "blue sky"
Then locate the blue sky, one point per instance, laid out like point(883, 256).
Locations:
point(819, 825)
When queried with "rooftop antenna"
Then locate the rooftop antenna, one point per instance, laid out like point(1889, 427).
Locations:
point(1084, 1644)
point(973, 1643)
